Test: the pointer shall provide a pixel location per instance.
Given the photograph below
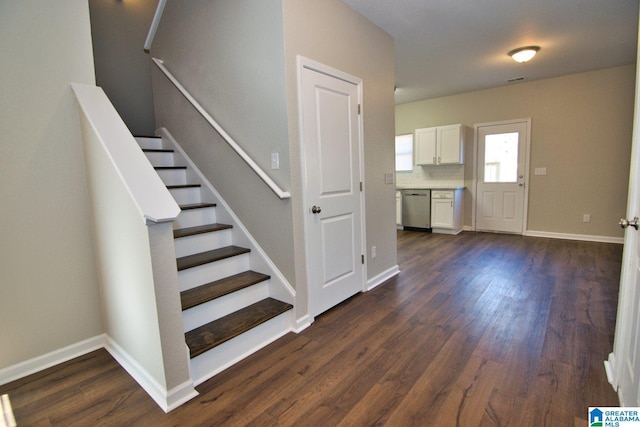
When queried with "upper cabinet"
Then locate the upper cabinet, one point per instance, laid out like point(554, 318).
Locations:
point(442, 145)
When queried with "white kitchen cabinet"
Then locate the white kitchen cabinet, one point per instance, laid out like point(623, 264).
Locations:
point(440, 145)
point(446, 211)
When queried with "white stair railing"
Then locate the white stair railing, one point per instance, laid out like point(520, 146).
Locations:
point(243, 154)
point(154, 24)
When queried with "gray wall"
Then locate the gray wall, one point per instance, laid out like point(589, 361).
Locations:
point(581, 132)
point(238, 58)
point(230, 56)
point(332, 33)
point(48, 287)
point(123, 69)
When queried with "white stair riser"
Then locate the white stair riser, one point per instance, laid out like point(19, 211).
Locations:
point(196, 276)
point(185, 196)
point(220, 307)
point(160, 159)
point(194, 217)
point(223, 356)
point(173, 176)
point(197, 243)
point(219, 358)
point(152, 143)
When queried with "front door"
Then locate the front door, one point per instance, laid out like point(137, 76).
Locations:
point(623, 366)
point(501, 176)
point(331, 141)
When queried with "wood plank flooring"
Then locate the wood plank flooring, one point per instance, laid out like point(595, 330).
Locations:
point(478, 330)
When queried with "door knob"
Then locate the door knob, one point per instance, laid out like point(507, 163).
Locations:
point(624, 223)
point(316, 209)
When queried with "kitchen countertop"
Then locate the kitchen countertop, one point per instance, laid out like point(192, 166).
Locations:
point(431, 187)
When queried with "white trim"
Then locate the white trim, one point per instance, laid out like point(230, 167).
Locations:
point(243, 154)
point(303, 323)
point(474, 186)
point(568, 236)
point(154, 24)
point(101, 121)
point(166, 399)
point(383, 277)
point(319, 67)
point(302, 63)
point(56, 357)
point(610, 370)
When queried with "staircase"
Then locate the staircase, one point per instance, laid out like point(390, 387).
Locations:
point(229, 310)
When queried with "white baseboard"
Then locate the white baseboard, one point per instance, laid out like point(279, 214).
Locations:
point(566, 236)
point(166, 399)
point(581, 237)
point(382, 277)
point(303, 323)
point(609, 365)
point(37, 364)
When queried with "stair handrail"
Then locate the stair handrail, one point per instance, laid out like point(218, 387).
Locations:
point(154, 24)
point(243, 154)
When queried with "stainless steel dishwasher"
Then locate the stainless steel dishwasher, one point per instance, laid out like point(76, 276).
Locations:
point(416, 208)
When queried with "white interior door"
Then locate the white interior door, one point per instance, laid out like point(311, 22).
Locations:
point(502, 170)
point(331, 141)
point(623, 366)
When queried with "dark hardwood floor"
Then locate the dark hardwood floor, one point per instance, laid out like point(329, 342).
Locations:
point(477, 330)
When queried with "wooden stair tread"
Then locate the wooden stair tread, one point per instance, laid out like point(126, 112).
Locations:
point(199, 229)
point(173, 187)
point(201, 258)
point(219, 331)
point(197, 206)
point(210, 291)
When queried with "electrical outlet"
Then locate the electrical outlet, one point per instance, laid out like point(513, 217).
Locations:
point(374, 252)
point(586, 218)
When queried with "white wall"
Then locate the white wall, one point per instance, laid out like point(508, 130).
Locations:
point(48, 287)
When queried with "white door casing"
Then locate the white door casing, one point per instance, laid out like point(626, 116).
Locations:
point(331, 143)
point(623, 365)
point(502, 206)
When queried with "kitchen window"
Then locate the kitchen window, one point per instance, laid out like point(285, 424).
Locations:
point(404, 153)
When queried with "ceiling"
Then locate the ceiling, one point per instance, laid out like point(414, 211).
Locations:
point(444, 47)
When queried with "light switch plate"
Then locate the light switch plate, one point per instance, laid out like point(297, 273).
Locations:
point(540, 171)
point(275, 160)
point(388, 178)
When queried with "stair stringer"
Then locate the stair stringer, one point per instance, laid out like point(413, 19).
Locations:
point(216, 360)
point(280, 288)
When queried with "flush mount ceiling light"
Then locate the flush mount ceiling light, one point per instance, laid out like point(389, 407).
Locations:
point(524, 54)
